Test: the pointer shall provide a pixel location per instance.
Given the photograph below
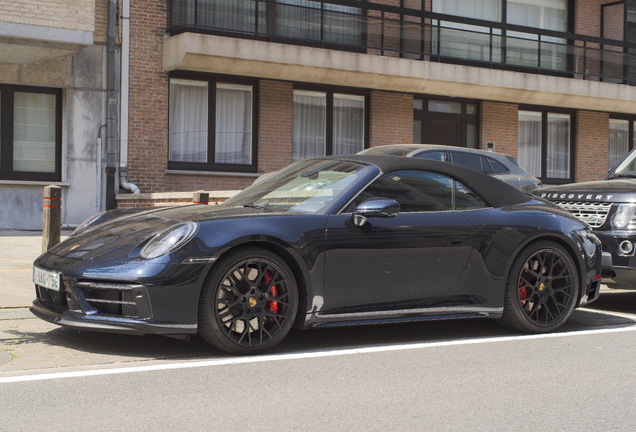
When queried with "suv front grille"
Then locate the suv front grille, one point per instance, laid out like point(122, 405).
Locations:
point(594, 214)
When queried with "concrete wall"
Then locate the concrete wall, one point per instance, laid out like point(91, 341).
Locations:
point(83, 82)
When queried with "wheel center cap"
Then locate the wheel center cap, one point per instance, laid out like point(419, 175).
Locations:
point(541, 287)
point(252, 302)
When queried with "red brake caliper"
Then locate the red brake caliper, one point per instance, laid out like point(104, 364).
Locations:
point(272, 306)
point(523, 293)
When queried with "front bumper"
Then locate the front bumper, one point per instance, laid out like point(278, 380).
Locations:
point(110, 299)
point(618, 268)
point(111, 324)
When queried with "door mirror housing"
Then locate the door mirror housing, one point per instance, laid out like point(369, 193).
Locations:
point(375, 207)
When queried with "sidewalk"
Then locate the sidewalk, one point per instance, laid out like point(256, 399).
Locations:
point(18, 250)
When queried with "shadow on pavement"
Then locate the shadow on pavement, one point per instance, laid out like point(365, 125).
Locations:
point(616, 301)
point(110, 348)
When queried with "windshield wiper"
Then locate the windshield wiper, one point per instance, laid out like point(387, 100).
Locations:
point(623, 176)
point(256, 206)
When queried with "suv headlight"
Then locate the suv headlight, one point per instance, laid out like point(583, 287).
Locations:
point(169, 240)
point(624, 218)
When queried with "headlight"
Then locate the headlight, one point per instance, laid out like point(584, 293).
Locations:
point(88, 222)
point(169, 240)
point(624, 217)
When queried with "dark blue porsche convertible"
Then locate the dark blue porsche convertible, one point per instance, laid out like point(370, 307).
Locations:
point(325, 242)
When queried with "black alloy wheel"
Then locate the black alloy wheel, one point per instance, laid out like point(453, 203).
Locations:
point(248, 302)
point(542, 289)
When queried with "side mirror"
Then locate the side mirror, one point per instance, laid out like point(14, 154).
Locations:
point(375, 207)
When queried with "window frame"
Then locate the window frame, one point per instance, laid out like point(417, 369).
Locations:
point(7, 107)
point(211, 164)
point(330, 91)
point(545, 111)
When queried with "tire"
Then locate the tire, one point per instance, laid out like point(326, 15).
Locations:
point(248, 302)
point(541, 290)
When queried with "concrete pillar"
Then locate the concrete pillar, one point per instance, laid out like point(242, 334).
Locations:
point(52, 220)
point(201, 197)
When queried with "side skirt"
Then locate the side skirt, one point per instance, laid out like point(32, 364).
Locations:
point(314, 320)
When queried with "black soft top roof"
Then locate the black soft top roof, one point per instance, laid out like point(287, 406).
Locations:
point(495, 192)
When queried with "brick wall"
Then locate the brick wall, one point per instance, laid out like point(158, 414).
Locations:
point(592, 141)
point(588, 18)
point(64, 14)
point(148, 110)
point(101, 21)
point(274, 125)
point(148, 106)
point(499, 125)
point(391, 118)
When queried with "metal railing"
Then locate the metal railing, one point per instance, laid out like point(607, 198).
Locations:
point(372, 28)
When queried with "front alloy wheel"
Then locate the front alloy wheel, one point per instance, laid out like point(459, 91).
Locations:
point(248, 302)
point(542, 289)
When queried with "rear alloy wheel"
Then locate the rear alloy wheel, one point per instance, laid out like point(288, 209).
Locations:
point(248, 302)
point(542, 289)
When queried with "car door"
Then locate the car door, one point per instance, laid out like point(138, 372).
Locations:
point(400, 262)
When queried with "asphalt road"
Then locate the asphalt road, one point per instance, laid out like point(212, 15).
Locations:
point(458, 375)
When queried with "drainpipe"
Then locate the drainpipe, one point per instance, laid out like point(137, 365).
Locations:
point(111, 117)
point(125, 74)
point(98, 205)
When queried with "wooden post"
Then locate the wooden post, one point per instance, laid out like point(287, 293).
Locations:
point(201, 197)
point(52, 223)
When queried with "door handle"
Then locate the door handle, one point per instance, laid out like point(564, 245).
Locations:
point(456, 240)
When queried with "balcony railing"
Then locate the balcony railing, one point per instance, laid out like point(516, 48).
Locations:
point(361, 26)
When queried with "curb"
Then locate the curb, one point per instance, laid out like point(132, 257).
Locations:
point(16, 313)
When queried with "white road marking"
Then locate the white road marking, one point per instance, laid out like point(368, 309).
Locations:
point(308, 355)
point(618, 314)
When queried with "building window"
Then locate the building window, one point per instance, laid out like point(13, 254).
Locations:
point(212, 125)
point(326, 123)
point(545, 145)
point(311, 20)
point(30, 133)
point(621, 140)
point(471, 42)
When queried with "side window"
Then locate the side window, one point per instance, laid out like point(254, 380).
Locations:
point(422, 191)
point(466, 199)
point(466, 159)
point(433, 155)
point(416, 191)
point(497, 168)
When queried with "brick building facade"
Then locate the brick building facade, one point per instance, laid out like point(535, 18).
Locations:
point(214, 94)
point(390, 79)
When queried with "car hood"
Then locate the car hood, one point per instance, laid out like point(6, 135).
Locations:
point(124, 232)
point(619, 190)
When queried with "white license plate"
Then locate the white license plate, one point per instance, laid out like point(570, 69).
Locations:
point(47, 279)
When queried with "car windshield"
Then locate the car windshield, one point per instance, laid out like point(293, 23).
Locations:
point(309, 186)
point(627, 168)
